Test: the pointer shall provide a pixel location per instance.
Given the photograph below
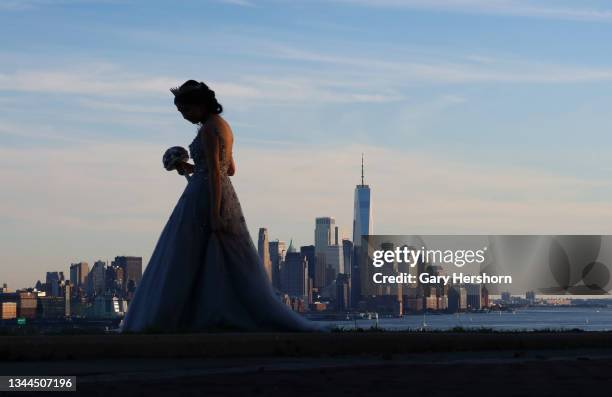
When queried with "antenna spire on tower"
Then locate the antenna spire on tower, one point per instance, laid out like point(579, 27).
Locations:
point(362, 169)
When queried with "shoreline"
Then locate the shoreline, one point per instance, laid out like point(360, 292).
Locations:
point(219, 345)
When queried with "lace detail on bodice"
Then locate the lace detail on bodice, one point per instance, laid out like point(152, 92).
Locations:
point(231, 211)
point(197, 153)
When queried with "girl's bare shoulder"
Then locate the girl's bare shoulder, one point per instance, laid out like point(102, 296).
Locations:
point(217, 126)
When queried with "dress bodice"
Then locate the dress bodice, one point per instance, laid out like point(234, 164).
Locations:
point(197, 152)
point(231, 212)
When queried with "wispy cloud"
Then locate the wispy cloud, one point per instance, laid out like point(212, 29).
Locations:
point(89, 79)
point(40, 132)
point(519, 8)
point(369, 81)
point(123, 107)
point(108, 80)
point(244, 3)
point(22, 5)
point(377, 69)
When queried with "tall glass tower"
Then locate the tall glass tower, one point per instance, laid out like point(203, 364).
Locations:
point(362, 214)
point(362, 226)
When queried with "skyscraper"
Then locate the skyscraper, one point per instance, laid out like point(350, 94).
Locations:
point(342, 291)
point(362, 226)
point(277, 256)
point(347, 252)
point(263, 248)
point(334, 256)
point(474, 296)
point(132, 271)
point(325, 232)
point(96, 279)
point(309, 252)
point(114, 279)
point(296, 273)
point(78, 274)
point(362, 214)
point(284, 268)
point(54, 282)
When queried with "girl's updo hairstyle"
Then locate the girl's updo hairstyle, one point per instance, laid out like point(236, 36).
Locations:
point(197, 93)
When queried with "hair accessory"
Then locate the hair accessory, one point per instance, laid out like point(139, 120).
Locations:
point(184, 89)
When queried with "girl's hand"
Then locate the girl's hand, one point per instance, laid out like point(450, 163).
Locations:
point(184, 168)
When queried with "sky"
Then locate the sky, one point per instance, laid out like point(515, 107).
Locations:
point(475, 116)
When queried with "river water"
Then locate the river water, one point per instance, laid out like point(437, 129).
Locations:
point(527, 319)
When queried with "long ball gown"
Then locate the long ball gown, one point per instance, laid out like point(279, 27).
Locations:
point(199, 280)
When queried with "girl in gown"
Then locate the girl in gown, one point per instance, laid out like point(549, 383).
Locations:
point(205, 273)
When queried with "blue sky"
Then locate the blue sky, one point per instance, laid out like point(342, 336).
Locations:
point(475, 116)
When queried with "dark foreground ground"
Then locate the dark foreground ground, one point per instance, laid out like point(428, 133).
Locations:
point(355, 364)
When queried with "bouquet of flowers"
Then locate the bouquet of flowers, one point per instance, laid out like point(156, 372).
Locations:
point(174, 156)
